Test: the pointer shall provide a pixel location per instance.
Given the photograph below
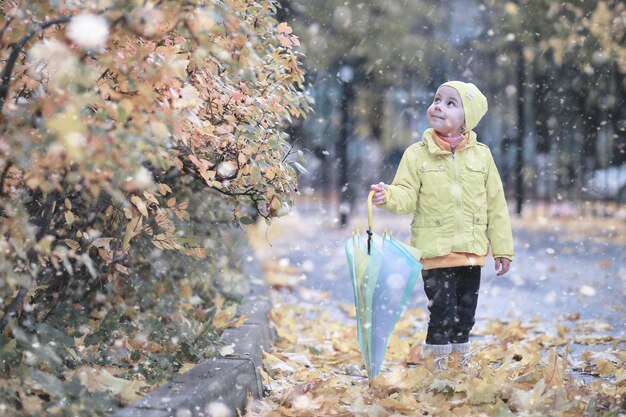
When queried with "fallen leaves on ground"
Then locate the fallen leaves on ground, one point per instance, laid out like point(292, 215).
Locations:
point(315, 369)
point(577, 223)
point(518, 369)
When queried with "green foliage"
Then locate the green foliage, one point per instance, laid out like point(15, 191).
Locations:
point(129, 151)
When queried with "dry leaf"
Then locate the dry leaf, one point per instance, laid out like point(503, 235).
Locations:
point(141, 206)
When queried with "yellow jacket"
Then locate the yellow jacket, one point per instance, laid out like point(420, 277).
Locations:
point(457, 199)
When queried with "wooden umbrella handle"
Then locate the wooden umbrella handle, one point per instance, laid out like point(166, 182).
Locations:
point(370, 223)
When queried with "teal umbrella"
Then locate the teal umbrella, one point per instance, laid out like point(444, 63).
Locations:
point(383, 272)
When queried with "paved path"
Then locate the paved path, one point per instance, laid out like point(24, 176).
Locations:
point(553, 278)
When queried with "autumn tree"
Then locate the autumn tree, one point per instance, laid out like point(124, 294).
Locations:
point(130, 131)
point(574, 59)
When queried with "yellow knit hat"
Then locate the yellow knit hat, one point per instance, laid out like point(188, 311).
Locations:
point(474, 102)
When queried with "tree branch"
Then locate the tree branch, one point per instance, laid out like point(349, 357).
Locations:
point(8, 69)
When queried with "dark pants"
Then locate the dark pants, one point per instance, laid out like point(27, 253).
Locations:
point(452, 297)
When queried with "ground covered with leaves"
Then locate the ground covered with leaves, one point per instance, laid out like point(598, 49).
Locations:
point(315, 369)
point(517, 368)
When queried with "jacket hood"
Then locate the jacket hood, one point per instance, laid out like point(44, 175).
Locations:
point(474, 102)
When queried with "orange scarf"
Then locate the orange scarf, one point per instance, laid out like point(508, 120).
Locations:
point(445, 146)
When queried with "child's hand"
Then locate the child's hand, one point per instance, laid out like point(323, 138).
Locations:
point(379, 195)
point(502, 266)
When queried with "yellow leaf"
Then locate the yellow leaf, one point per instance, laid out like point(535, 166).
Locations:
point(180, 214)
point(164, 189)
point(45, 243)
point(283, 27)
point(69, 217)
point(171, 202)
point(237, 323)
point(102, 380)
point(105, 254)
point(285, 41)
point(68, 204)
point(265, 376)
point(122, 269)
point(482, 392)
point(102, 242)
point(141, 206)
point(132, 229)
point(224, 316)
point(555, 370)
point(72, 244)
point(150, 197)
point(274, 204)
point(186, 367)
point(403, 403)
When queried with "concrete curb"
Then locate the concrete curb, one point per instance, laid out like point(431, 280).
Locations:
point(226, 380)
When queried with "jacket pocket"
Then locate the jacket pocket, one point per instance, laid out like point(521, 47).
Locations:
point(479, 227)
point(476, 170)
point(427, 235)
point(427, 222)
point(476, 167)
point(432, 174)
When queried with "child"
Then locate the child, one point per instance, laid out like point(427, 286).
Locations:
point(451, 184)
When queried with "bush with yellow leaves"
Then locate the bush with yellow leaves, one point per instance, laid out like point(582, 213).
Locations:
point(131, 133)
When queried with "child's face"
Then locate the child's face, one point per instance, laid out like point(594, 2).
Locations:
point(446, 115)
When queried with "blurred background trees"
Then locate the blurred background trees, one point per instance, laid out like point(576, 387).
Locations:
point(553, 71)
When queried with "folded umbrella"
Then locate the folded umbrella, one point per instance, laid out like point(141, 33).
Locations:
point(383, 272)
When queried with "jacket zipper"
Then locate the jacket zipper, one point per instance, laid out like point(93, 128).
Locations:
point(458, 210)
